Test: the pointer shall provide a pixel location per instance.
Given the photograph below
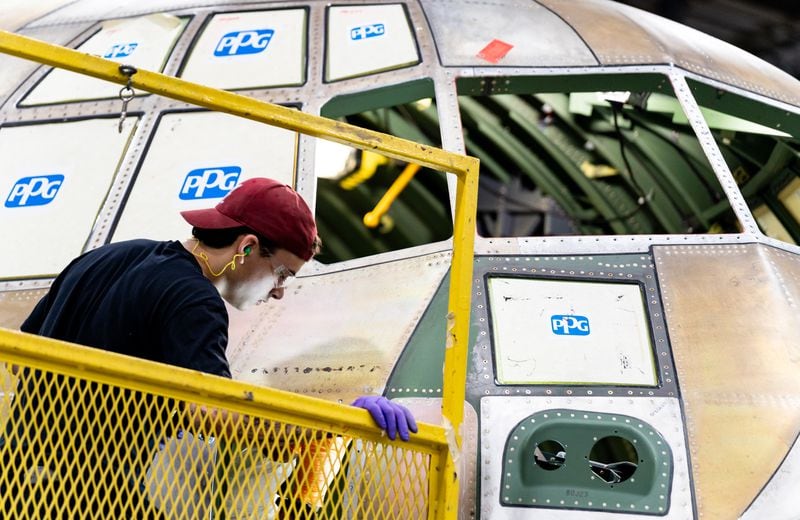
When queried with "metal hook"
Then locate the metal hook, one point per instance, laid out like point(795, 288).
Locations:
point(126, 93)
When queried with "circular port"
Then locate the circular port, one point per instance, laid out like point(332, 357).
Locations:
point(613, 459)
point(549, 455)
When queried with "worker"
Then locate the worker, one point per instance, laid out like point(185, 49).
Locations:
point(163, 301)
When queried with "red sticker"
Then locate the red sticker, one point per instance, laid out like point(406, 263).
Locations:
point(495, 51)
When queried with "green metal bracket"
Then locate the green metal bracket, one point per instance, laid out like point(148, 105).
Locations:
point(535, 474)
point(378, 98)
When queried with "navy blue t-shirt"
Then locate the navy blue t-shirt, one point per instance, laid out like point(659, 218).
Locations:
point(140, 298)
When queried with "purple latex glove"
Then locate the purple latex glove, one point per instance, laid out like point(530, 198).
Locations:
point(389, 416)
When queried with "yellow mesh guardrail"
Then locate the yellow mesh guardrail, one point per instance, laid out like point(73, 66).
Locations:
point(91, 434)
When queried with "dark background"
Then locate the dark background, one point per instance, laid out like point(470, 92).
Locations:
point(769, 29)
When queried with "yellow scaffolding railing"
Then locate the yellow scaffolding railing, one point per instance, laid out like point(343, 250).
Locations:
point(88, 372)
point(93, 434)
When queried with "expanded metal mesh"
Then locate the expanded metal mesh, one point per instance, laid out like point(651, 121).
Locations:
point(73, 447)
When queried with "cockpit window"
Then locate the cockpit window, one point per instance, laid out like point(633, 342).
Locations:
point(144, 42)
point(367, 39)
point(52, 194)
point(368, 203)
point(586, 156)
point(568, 332)
point(761, 147)
point(250, 49)
point(225, 151)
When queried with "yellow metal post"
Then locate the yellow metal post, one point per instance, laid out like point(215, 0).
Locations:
point(457, 342)
point(373, 218)
point(464, 167)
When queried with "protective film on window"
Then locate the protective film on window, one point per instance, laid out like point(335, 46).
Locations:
point(55, 179)
point(250, 50)
point(193, 161)
point(568, 332)
point(365, 39)
point(144, 42)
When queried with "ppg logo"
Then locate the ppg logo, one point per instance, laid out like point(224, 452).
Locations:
point(243, 42)
point(210, 183)
point(34, 191)
point(121, 50)
point(367, 31)
point(569, 325)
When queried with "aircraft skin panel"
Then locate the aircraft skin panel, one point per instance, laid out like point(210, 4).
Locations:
point(646, 38)
point(351, 345)
point(17, 305)
point(738, 300)
point(779, 499)
point(500, 414)
point(466, 33)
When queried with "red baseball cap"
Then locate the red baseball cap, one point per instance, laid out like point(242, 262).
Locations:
point(269, 208)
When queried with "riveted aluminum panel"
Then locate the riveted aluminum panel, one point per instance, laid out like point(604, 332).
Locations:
point(538, 38)
point(732, 316)
point(623, 35)
point(499, 415)
point(17, 305)
point(335, 347)
point(780, 498)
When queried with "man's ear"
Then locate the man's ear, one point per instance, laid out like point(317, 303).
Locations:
point(248, 244)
